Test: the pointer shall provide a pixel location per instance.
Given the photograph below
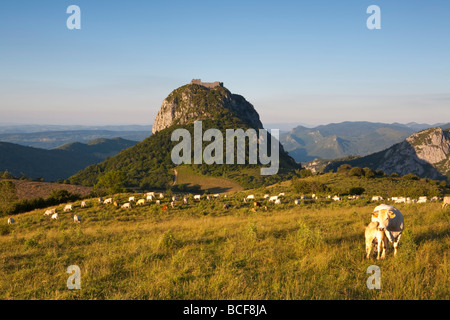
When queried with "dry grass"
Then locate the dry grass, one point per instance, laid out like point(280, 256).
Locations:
point(201, 251)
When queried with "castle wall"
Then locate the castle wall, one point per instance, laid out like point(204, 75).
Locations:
point(208, 85)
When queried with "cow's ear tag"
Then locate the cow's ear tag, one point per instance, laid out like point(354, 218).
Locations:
point(375, 214)
point(391, 214)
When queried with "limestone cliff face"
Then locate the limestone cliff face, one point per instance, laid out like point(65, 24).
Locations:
point(195, 102)
point(425, 153)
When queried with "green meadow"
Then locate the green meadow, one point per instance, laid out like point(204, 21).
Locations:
point(201, 250)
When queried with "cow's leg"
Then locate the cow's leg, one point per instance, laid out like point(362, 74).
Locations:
point(396, 244)
point(369, 246)
point(385, 244)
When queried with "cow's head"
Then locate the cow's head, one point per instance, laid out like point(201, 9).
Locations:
point(382, 217)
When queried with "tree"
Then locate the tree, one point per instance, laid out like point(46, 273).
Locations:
point(356, 172)
point(357, 191)
point(344, 168)
point(8, 197)
point(112, 182)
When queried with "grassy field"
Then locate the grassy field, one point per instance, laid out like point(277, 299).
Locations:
point(202, 251)
point(185, 176)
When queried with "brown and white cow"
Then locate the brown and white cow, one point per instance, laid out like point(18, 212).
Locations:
point(390, 220)
point(371, 233)
point(446, 202)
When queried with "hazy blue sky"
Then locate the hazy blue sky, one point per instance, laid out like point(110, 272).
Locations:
point(309, 61)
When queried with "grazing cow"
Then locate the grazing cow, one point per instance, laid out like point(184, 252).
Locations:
point(257, 204)
point(281, 194)
point(446, 202)
point(266, 196)
point(164, 208)
point(371, 233)
point(150, 198)
point(296, 202)
point(273, 198)
point(150, 194)
point(161, 195)
point(100, 200)
point(68, 207)
point(116, 203)
point(336, 198)
point(140, 202)
point(76, 218)
point(278, 201)
point(172, 204)
point(216, 195)
point(423, 199)
point(174, 198)
point(126, 205)
point(390, 221)
point(377, 198)
point(197, 197)
point(49, 212)
point(109, 200)
point(208, 197)
point(55, 216)
point(11, 221)
point(226, 206)
point(158, 202)
point(400, 200)
point(251, 196)
point(83, 204)
point(185, 200)
point(132, 199)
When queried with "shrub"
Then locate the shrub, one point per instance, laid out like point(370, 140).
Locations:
point(356, 191)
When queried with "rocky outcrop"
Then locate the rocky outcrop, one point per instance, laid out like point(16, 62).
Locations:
point(425, 154)
point(196, 102)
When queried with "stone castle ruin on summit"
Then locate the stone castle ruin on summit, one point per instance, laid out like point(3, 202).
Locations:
point(209, 85)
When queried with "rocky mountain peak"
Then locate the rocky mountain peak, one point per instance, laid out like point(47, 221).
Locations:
point(196, 101)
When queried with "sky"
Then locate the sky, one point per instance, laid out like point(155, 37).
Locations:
point(312, 62)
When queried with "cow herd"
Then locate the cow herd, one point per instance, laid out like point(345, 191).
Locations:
point(386, 226)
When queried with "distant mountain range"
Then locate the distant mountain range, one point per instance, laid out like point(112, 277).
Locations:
point(59, 163)
point(425, 154)
point(338, 140)
point(54, 139)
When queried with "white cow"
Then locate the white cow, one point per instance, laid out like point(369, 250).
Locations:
point(174, 198)
point(150, 194)
point(399, 199)
point(140, 202)
point(109, 200)
point(49, 212)
point(391, 221)
point(68, 207)
point(158, 202)
point(161, 195)
point(55, 216)
point(76, 218)
point(423, 199)
point(273, 198)
point(377, 198)
point(296, 202)
point(11, 221)
point(83, 204)
point(371, 233)
point(150, 198)
point(197, 197)
point(281, 194)
point(446, 202)
point(132, 199)
point(100, 200)
point(266, 196)
point(278, 201)
point(336, 198)
point(126, 205)
point(251, 196)
point(216, 195)
point(185, 200)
